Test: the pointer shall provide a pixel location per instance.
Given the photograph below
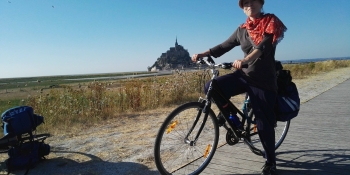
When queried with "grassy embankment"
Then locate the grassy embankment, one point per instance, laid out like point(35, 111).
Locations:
point(74, 106)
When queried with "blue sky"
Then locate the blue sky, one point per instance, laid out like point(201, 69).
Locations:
point(64, 37)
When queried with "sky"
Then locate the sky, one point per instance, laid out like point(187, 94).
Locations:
point(68, 37)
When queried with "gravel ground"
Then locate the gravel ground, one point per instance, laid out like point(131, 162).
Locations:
point(125, 146)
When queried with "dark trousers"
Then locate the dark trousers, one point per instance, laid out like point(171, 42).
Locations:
point(263, 107)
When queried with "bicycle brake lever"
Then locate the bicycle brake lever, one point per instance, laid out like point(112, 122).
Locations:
point(210, 60)
point(200, 61)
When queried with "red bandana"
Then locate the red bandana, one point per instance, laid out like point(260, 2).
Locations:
point(268, 23)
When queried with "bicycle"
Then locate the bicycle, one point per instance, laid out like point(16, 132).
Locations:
point(188, 138)
point(11, 140)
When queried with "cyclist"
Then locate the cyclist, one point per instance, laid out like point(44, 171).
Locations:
point(258, 38)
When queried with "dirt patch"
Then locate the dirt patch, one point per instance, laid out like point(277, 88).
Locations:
point(125, 145)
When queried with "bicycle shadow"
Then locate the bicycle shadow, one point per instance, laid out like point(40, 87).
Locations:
point(95, 165)
point(322, 161)
point(310, 162)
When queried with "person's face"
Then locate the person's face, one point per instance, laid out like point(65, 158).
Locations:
point(252, 8)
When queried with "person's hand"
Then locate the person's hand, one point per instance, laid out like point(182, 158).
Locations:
point(237, 64)
point(195, 57)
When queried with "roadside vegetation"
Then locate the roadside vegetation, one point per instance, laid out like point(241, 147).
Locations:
point(299, 71)
point(71, 107)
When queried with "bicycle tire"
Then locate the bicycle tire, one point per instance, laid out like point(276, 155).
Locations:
point(172, 154)
point(281, 130)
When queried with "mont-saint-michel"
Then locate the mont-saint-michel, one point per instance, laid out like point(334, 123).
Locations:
point(175, 58)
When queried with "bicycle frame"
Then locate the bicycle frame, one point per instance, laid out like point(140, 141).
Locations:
point(214, 94)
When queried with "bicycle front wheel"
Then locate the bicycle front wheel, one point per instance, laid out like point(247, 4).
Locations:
point(187, 140)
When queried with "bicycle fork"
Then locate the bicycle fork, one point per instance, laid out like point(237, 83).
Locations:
point(200, 111)
point(193, 142)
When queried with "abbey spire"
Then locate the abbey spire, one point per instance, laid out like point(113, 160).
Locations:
point(176, 42)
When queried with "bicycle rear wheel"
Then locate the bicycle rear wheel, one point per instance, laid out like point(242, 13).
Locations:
point(281, 130)
point(176, 154)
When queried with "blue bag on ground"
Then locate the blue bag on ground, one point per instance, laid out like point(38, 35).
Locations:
point(20, 120)
point(19, 123)
point(26, 155)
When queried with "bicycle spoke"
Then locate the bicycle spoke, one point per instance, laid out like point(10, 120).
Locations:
point(175, 155)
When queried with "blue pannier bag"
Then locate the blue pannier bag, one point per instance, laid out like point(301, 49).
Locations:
point(287, 103)
point(26, 155)
point(20, 120)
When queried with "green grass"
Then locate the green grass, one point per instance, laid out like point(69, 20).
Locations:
point(4, 105)
point(56, 81)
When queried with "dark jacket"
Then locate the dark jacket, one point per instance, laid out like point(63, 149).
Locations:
point(261, 71)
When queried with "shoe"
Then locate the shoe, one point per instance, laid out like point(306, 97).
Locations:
point(269, 169)
point(221, 120)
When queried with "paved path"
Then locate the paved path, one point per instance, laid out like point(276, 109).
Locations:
point(317, 143)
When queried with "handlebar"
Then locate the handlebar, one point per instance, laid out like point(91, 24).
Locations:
point(211, 63)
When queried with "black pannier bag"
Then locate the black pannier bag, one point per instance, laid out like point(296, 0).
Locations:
point(288, 100)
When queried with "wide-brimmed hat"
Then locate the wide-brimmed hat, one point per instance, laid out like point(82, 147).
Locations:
point(240, 3)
